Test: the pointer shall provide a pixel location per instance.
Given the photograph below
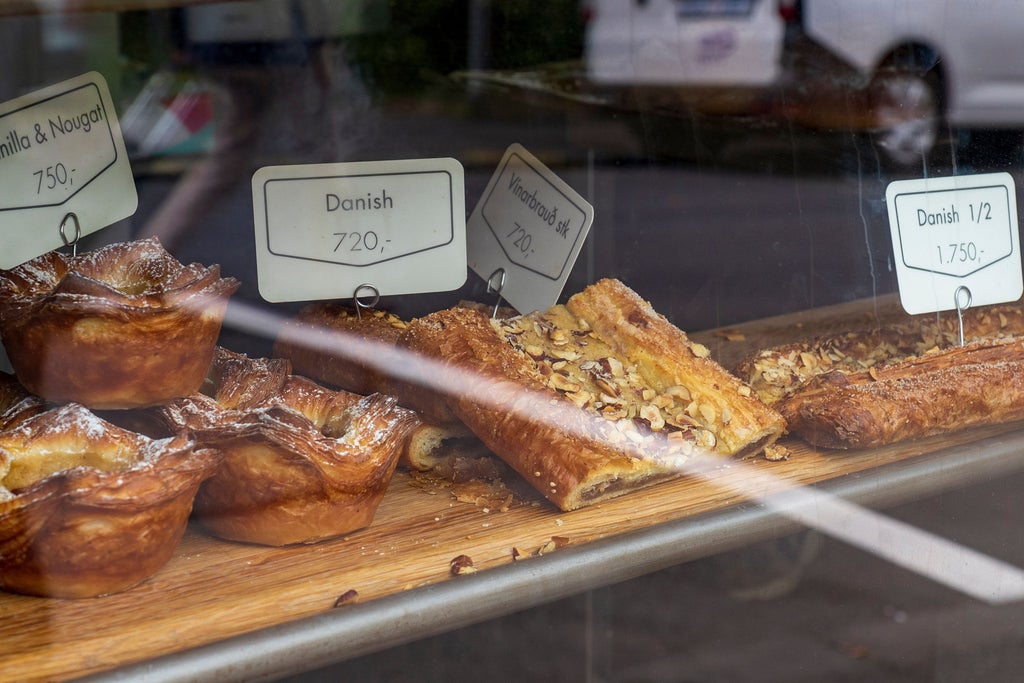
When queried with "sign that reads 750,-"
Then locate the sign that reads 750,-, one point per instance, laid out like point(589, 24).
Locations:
point(61, 153)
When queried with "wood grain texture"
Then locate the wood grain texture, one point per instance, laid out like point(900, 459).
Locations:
point(213, 589)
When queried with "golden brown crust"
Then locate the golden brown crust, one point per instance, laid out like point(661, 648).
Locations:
point(495, 391)
point(905, 380)
point(305, 342)
point(508, 395)
point(16, 404)
point(774, 372)
point(367, 353)
point(104, 515)
point(415, 349)
point(302, 465)
point(283, 482)
point(977, 384)
point(237, 381)
point(124, 326)
point(665, 356)
point(315, 341)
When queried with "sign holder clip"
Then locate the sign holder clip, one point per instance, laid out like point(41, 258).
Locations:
point(491, 289)
point(359, 304)
point(960, 308)
point(73, 242)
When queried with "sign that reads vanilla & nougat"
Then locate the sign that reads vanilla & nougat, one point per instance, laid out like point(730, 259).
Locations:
point(61, 153)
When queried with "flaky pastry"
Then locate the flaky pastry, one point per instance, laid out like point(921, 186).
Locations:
point(980, 383)
point(301, 465)
point(903, 380)
point(331, 344)
point(87, 508)
point(591, 399)
point(314, 340)
point(773, 373)
point(16, 404)
point(124, 326)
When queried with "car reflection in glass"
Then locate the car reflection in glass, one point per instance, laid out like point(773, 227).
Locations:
point(906, 76)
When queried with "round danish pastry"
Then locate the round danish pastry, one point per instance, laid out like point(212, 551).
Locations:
point(125, 326)
point(87, 508)
point(300, 466)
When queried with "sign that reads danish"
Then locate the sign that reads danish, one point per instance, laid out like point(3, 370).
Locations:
point(61, 153)
point(325, 230)
point(954, 234)
point(529, 225)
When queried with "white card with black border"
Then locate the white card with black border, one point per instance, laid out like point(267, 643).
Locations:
point(326, 231)
point(956, 241)
point(64, 170)
point(526, 231)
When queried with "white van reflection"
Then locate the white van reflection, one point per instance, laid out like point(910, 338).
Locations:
point(683, 42)
point(907, 75)
point(919, 68)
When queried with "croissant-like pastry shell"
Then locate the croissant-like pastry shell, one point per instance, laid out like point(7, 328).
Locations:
point(87, 508)
point(16, 404)
point(301, 465)
point(125, 326)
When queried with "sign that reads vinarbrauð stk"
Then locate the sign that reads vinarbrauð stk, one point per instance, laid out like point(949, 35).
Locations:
point(529, 225)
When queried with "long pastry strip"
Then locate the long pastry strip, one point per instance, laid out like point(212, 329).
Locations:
point(977, 384)
point(775, 372)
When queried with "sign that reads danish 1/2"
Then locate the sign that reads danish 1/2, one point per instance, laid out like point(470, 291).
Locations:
point(955, 233)
point(325, 230)
point(61, 153)
point(529, 225)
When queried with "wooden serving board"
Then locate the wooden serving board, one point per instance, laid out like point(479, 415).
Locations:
point(212, 589)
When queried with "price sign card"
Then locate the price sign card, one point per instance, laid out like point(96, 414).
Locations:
point(325, 230)
point(61, 153)
point(530, 225)
point(951, 233)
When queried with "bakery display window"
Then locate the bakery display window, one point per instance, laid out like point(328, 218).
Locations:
point(627, 341)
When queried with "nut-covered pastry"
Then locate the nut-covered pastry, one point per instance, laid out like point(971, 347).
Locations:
point(775, 372)
point(315, 342)
point(124, 326)
point(940, 391)
point(904, 380)
point(591, 399)
point(87, 508)
point(301, 465)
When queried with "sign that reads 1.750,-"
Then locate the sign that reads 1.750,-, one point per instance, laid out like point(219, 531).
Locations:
point(955, 232)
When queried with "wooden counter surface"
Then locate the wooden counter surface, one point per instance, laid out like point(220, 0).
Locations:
point(212, 590)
